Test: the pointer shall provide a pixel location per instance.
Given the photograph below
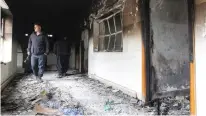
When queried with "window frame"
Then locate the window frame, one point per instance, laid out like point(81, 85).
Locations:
point(2, 33)
point(2, 25)
point(99, 37)
point(1, 36)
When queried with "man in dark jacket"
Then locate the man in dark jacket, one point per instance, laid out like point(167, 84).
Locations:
point(38, 48)
point(62, 50)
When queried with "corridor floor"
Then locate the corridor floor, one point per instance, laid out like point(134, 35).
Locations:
point(74, 90)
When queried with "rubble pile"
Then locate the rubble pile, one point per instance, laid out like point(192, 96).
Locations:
point(25, 96)
point(115, 101)
point(102, 89)
point(78, 94)
point(175, 106)
point(170, 106)
point(17, 97)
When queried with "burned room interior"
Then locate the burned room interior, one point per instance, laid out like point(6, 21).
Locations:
point(125, 57)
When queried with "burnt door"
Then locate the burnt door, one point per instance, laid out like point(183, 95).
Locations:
point(169, 48)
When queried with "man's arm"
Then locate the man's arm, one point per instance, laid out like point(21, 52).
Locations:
point(29, 46)
point(47, 45)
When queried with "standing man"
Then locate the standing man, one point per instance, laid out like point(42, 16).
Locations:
point(38, 48)
point(62, 50)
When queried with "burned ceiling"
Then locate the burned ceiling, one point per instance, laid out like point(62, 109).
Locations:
point(56, 15)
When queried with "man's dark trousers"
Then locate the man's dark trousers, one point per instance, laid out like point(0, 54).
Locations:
point(38, 64)
point(62, 63)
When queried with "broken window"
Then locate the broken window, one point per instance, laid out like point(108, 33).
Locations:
point(1, 35)
point(110, 33)
point(5, 37)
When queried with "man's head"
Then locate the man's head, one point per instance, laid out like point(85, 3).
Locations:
point(37, 27)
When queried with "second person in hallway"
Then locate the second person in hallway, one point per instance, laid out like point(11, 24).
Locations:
point(62, 50)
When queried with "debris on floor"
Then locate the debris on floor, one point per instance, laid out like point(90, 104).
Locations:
point(108, 105)
point(72, 111)
point(115, 90)
point(49, 106)
point(134, 101)
point(45, 111)
point(77, 95)
point(174, 106)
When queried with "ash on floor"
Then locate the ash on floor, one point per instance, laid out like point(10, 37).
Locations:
point(76, 92)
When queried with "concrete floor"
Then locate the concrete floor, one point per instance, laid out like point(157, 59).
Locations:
point(89, 94)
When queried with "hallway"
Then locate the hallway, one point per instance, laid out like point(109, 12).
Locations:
point(125, 57)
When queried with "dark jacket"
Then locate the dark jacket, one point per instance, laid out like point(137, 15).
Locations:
point(38, 45)
point(61, 47)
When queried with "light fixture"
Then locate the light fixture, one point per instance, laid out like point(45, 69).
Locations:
point(50, 35)
point(26, 34)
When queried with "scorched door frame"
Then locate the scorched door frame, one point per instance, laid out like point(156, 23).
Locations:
point(146, 38)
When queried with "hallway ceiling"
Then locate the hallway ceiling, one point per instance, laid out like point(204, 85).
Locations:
point(59, 4)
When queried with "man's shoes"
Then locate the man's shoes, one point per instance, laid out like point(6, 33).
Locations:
point(39, 79)
point(34, 77)
point(59, 75)
point(64, 74)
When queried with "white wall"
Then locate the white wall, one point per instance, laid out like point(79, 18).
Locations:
point(10, 68)
point(3, 4)
point(200, 54)
point(123, 68)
